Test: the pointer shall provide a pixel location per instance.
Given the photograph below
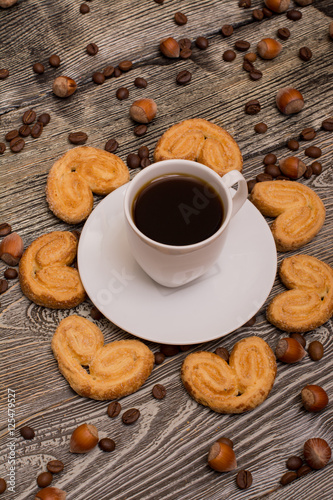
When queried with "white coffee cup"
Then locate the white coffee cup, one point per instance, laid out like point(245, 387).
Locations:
point(170, 265)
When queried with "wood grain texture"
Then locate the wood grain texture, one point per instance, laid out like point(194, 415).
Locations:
point(164, 454)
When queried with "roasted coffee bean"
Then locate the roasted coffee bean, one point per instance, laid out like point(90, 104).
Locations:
point(251, 321)
point(283, 33)
point(260, 128)
point(294, 15)
point(287, 478)
point(229, 55)
point(38, 68)
point(108, 71)
point(3, 286)
point(98, 78)
point(29, 117)
point(308, 134)
point(293, 145)
point(248, 66)
point(244, 479)
point(27, 432)
point(84, 8)
point(130, 416)
point(55, 466)
point(185, 53)
point(313, 152)
point(44, 479)
point(305, 53)
point(180, 19)
point(302, 341)
point(92, 49)
point(114, 409)
point(11, 135)
point(159, 391)
point(223, 353)
point(256, 74)
point(272, 170)
point(257, 15)
point(267, 13)
point(5, 229)
point(242, 45)
point(302, 471)
point(36, 130)
point(184, 77)
point(282, 178)
point(294, 463)
point(316, 350)
point(17, 144)
point(111, 146)
point(24, 131)
point(246, 4)
point(54, 61)
point(202, 43)
point(77, 137)
point(170, 350)
point(140, 130)
point(226, 441)
point(44, 118)
point(133, 160)
point(143, 152)
point(140, 83)
point(252, 107)
point(3, 485)
point(308, 173)
point(107, 444)
point(185, 348)
point(117, 72)
point(227, 30)
point(263, 177)
point(250, 185)
point(184, 43)
point(269, 159)
point(2, 148)
point(95, 314)
point(250, 57)
point(122, 93)
point(125, 66)
point(145, 162)
point(4, 73)
point(10, 273)
point(159, 358)
point(160, 2)
point(316, 167)
point(327, 124)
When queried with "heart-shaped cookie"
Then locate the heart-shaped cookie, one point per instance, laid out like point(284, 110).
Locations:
point(299, 212)
point(202, 141)
point(236, 387)
point(309, 302)
point(115, 370)
point(45, 275)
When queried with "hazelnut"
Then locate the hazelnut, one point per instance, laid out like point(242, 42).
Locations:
point(289, 100)
point(289, 350)
point(268, 48)
point(63, 86)
point(170, 47)
point(292, 167)
point(331, 29)
point(314, 398)
point(317, 453)
point(277, 5)
point(11, 249)
point(50, 493)
point(7, 3)
point(84, 438)
point(221, 457)
point(143, 110)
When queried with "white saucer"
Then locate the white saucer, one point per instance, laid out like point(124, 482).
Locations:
point(212, 306)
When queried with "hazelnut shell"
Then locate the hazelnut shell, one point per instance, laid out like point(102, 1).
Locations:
point(143, 110)
point(50, 493)
point(292, 167)
point(317, 453)
point(11, 249)
point(289, 350)
point(63, 86)
point(84, 438)
point(289, 101)
point(221, 457)
point(314, 398)
point(170, 47)
point(268, 48)
point(277, 5)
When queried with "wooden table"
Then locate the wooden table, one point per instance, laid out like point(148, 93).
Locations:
point(163, 455)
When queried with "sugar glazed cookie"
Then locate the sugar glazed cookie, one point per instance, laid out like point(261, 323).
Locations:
point(309, 301)
point(78, 174)
point(236, 387)
point(299, 212)
point(45, 275)
point(115, 370)
point(201, 141)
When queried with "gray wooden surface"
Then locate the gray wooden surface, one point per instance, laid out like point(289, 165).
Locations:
point(163, 455)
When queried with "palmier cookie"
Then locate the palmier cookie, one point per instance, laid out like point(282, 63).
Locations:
point(45, 275)
point(309, 301)
point(236, 387)
point(115, 370)
point(78, 174)
point(299, 212)
point(201, 141)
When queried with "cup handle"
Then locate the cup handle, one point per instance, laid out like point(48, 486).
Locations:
point(240, 196)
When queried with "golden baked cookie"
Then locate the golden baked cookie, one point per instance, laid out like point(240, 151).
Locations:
point(236, 387)
point(115, 370)
point(299, 212)
point(45, 275)
point(78, 174)
point(201, 141)
point(309, 301)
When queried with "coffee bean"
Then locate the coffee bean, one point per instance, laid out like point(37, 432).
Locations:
point(302, 471)
point(38, 68)
point(185, 348)
point(202, 43)
point(140, 130)
point(108, 71)
point(294, 463)
point(244, 479)
point(5, 229)
point(95, 314)
point(29, 117)
point(257, 15)
point(227, 30)
point(11, 135)
point(2, 148)
point(183, 77)
point(3, 485)
point(250, 57)
point(77, 137)
point(185, 53)
point(143, 152)
point(248, 66)
point(159, 391)
point(287, 478)
point(160, 2)
point(44, 118)
point(84, 8)
point(272, 170)
point(305, 53)
point(159, 358)
point(145, 162)
point(4, 73)
point(140, 83)
point(242, 45)
point(267, 13)
point(226, 441)
point(308, 173)
point(170, 350)
point(17, 144)
point(282, 178)
point(92, 49)
point(250, 185)
point(256, 74)
point(229, 55)
point(269, 159)
point(184, 43)
point(283, 33)
point(122, 93)
point(114, 409)
point(327, 124)
point(133, 160)
point(223, 353)
point(263, 177)
point(117, 72)
point(54, 61)
point(3, 286)
point(251, 321)
point(252, 107)
point(313, 152)
point(308, 134)
point(10, 273)
point(130, 416)
point(55, 466)
point(301, 340)
point(98, 78)
point(260, 128)
point(316, 350)
point(294, 15)
point(180, 19)
point(111, 146)
point(27, 432)
point(246, 4)
point(24, 131)
point(293, 145)
point(44, 479)
point(36, 130)
point(125, 66)
point(107, 444)
point(316, 167)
